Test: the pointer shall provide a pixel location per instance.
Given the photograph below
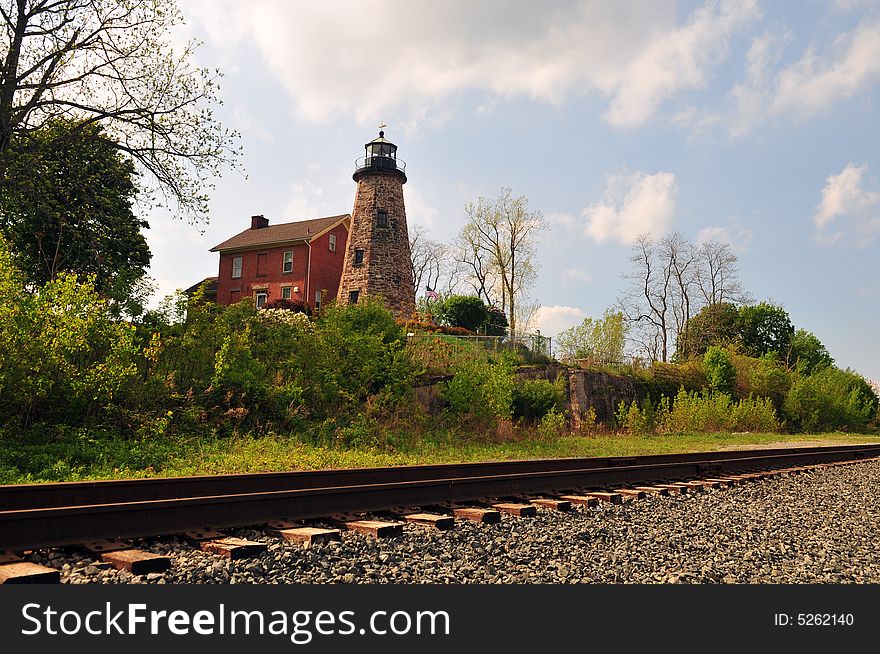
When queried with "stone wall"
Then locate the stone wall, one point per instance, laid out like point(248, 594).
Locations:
point(585, 389)
point(386, 269)
point(600, 391)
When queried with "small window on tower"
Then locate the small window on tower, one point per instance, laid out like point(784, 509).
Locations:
point(332, 242)
point(359, 257)
point(288, 261)
point(382, 218)
point(353, 297)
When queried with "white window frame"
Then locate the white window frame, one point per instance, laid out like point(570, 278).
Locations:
point(332, 243)
point(288, 291)
point(285, 263)
point(257, 295)
point(317, 299)
point(237, 266)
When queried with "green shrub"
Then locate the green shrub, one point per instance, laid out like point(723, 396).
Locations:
point(552, 424)
point(719, 370)
point(717, 412)
point(830, 399)
point(63, 357)
point(535, 398)
point(480, 389)
point(465, 311)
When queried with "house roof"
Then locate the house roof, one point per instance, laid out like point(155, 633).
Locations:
point(210, 289)
point(302, 230)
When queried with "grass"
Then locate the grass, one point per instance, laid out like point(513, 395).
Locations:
point(41, 456)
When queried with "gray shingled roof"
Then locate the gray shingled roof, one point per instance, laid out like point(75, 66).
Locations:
point(303, 230)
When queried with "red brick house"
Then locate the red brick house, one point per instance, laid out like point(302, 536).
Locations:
point(297, 261)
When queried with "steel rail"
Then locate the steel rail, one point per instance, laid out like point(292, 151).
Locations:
point(31, 496)
point(69, 525)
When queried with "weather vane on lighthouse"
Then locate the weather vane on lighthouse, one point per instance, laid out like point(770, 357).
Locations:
point(382, 125)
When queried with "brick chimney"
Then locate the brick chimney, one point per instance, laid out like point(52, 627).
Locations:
point(259, 222)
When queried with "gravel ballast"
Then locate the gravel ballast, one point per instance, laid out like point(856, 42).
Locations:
point(819, 527)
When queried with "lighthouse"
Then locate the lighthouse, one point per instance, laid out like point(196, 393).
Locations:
point(377, 256)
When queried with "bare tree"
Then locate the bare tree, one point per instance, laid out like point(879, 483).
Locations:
point(647, 304)
point(682, 257)
point(111, 62)
point(498, 246)
point(717, 274)
point(427, 258)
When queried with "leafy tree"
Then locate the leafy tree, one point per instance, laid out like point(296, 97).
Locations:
point(467, 311)
point(719, 370)
point(764, 328)
point(715, 324)
point(807, 354)
point(603, 338)
point(111, 62)
point(67, 206)
point(497, 323)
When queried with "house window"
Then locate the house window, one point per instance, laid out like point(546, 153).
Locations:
point(353, 297)
point(332, 242)
point(317, 299)
point(236, 267)
point(260, 298)
point(285, 292)
point(287, 266)
point(382, 218)
point(359, 257)
point(261, 264)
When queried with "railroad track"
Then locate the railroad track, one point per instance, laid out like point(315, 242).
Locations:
point(102, 515)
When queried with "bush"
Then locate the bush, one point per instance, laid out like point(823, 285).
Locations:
point(552, 424)
point(64, 357)
point(465, 311)
point(719, 370)
point(297, 306)
point(497, 323)
point(535, 398)
point(480, 389)
point(717, 412)
point(830, 399)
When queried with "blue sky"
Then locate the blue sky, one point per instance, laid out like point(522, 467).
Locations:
point(752, 122)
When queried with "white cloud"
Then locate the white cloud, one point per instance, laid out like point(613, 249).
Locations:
point(810, 85)
point(372, 59)
point(553, 319)
point(678, 60)
point(307, 202)
point(848, 208)
point(576, 276)
point(737, 236)
point(813, 83)
point(418, 211)
point(634, 203)
point(565, 220)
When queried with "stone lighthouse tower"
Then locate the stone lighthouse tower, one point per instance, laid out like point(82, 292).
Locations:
point(377, 258)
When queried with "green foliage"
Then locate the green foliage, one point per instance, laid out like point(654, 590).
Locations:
point(830, 399)
point(66, 206)
point(535, 398)
point(719, 370)
point(807, 354)
point(552, 424)
point(464, 311)
point(715, 324)
point(602, 339)
point(64, 358)
point(764, 328)
point(481, 389)
point(496, 325)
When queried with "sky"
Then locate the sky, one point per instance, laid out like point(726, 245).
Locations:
point(753, 122)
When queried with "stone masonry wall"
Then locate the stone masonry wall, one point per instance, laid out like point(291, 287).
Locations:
point(386, 269)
